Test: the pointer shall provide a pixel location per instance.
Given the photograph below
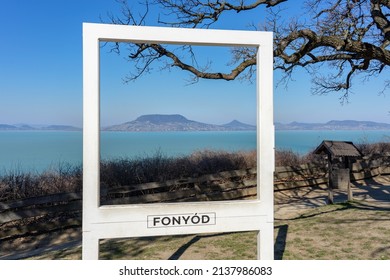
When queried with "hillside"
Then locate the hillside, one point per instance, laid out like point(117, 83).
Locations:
point(236, 125)
point(334, 125)
point(48, 127)
point(7, 127)
point(176, 122)
point(156, 122)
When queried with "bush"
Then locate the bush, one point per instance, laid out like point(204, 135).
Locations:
point(17, 184)
point(374, 149)
point(290, 158)
point(287, 158)
point(159, 168)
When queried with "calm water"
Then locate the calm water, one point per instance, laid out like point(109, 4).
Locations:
point(39, 150)
point(305, 141)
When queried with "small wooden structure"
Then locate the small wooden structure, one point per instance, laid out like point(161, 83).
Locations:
point(341, 155)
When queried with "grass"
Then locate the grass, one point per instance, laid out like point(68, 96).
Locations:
point(335, 232)
point(343, 231)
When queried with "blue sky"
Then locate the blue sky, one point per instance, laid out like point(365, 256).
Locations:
point(41, 77)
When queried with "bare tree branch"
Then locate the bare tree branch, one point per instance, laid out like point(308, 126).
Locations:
point(350, 37)
point(192, 13)
point(159, 51)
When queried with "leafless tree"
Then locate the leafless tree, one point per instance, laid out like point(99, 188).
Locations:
point(350, 37)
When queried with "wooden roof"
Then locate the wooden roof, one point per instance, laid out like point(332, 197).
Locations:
point(338, 149)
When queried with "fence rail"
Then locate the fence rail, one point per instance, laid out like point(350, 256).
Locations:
point(236, 184)
point(63, 210)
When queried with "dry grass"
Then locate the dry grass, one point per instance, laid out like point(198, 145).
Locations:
point(16, 184)
point(349, 231)
point(160, 168)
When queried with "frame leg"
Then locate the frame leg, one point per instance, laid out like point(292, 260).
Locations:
point(265, 242)
point(90, 247)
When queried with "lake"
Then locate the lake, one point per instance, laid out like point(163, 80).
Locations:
point(38, 150)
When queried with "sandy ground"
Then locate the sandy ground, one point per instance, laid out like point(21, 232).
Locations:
point(288, 204)
point(374, 192)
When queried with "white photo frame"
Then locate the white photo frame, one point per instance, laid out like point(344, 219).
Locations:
point(123, 221)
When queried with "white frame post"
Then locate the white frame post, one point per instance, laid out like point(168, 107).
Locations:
point(121, 221)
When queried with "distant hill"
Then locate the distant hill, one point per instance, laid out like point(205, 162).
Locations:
point(162, 119)
point(334, 125)
point(236, 125)
point(7, 127)
point(156, 122)
point(48, 127)
point(176, 122)
point(61, 127)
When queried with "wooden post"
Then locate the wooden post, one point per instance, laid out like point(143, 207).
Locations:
point(350, 193)
point(349, 188)
point(330, 187)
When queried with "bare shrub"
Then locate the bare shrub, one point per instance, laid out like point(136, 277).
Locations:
point(159, 168)
point(287, 158)
point(371, 150)
point(315, 159)
point(207, 161)
point(17, 184)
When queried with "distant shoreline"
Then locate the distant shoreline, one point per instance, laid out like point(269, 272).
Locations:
point(6, 127)
point(166, 123)
point(334, 125)
point(167, 131)
point(173, 131)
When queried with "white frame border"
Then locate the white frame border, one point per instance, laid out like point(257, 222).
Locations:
point(120, 221)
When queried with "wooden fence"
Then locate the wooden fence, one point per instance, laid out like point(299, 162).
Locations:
point(305, 175)
point(59, 211)
point(228, 185)
point(365, 169)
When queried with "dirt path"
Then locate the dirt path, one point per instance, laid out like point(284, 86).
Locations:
point(371, 192)
point(288, 204)
point(25, 247)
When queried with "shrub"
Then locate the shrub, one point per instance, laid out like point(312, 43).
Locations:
point(159, 168)
point(374, 149)
point(17, 184)
point(287, 158)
